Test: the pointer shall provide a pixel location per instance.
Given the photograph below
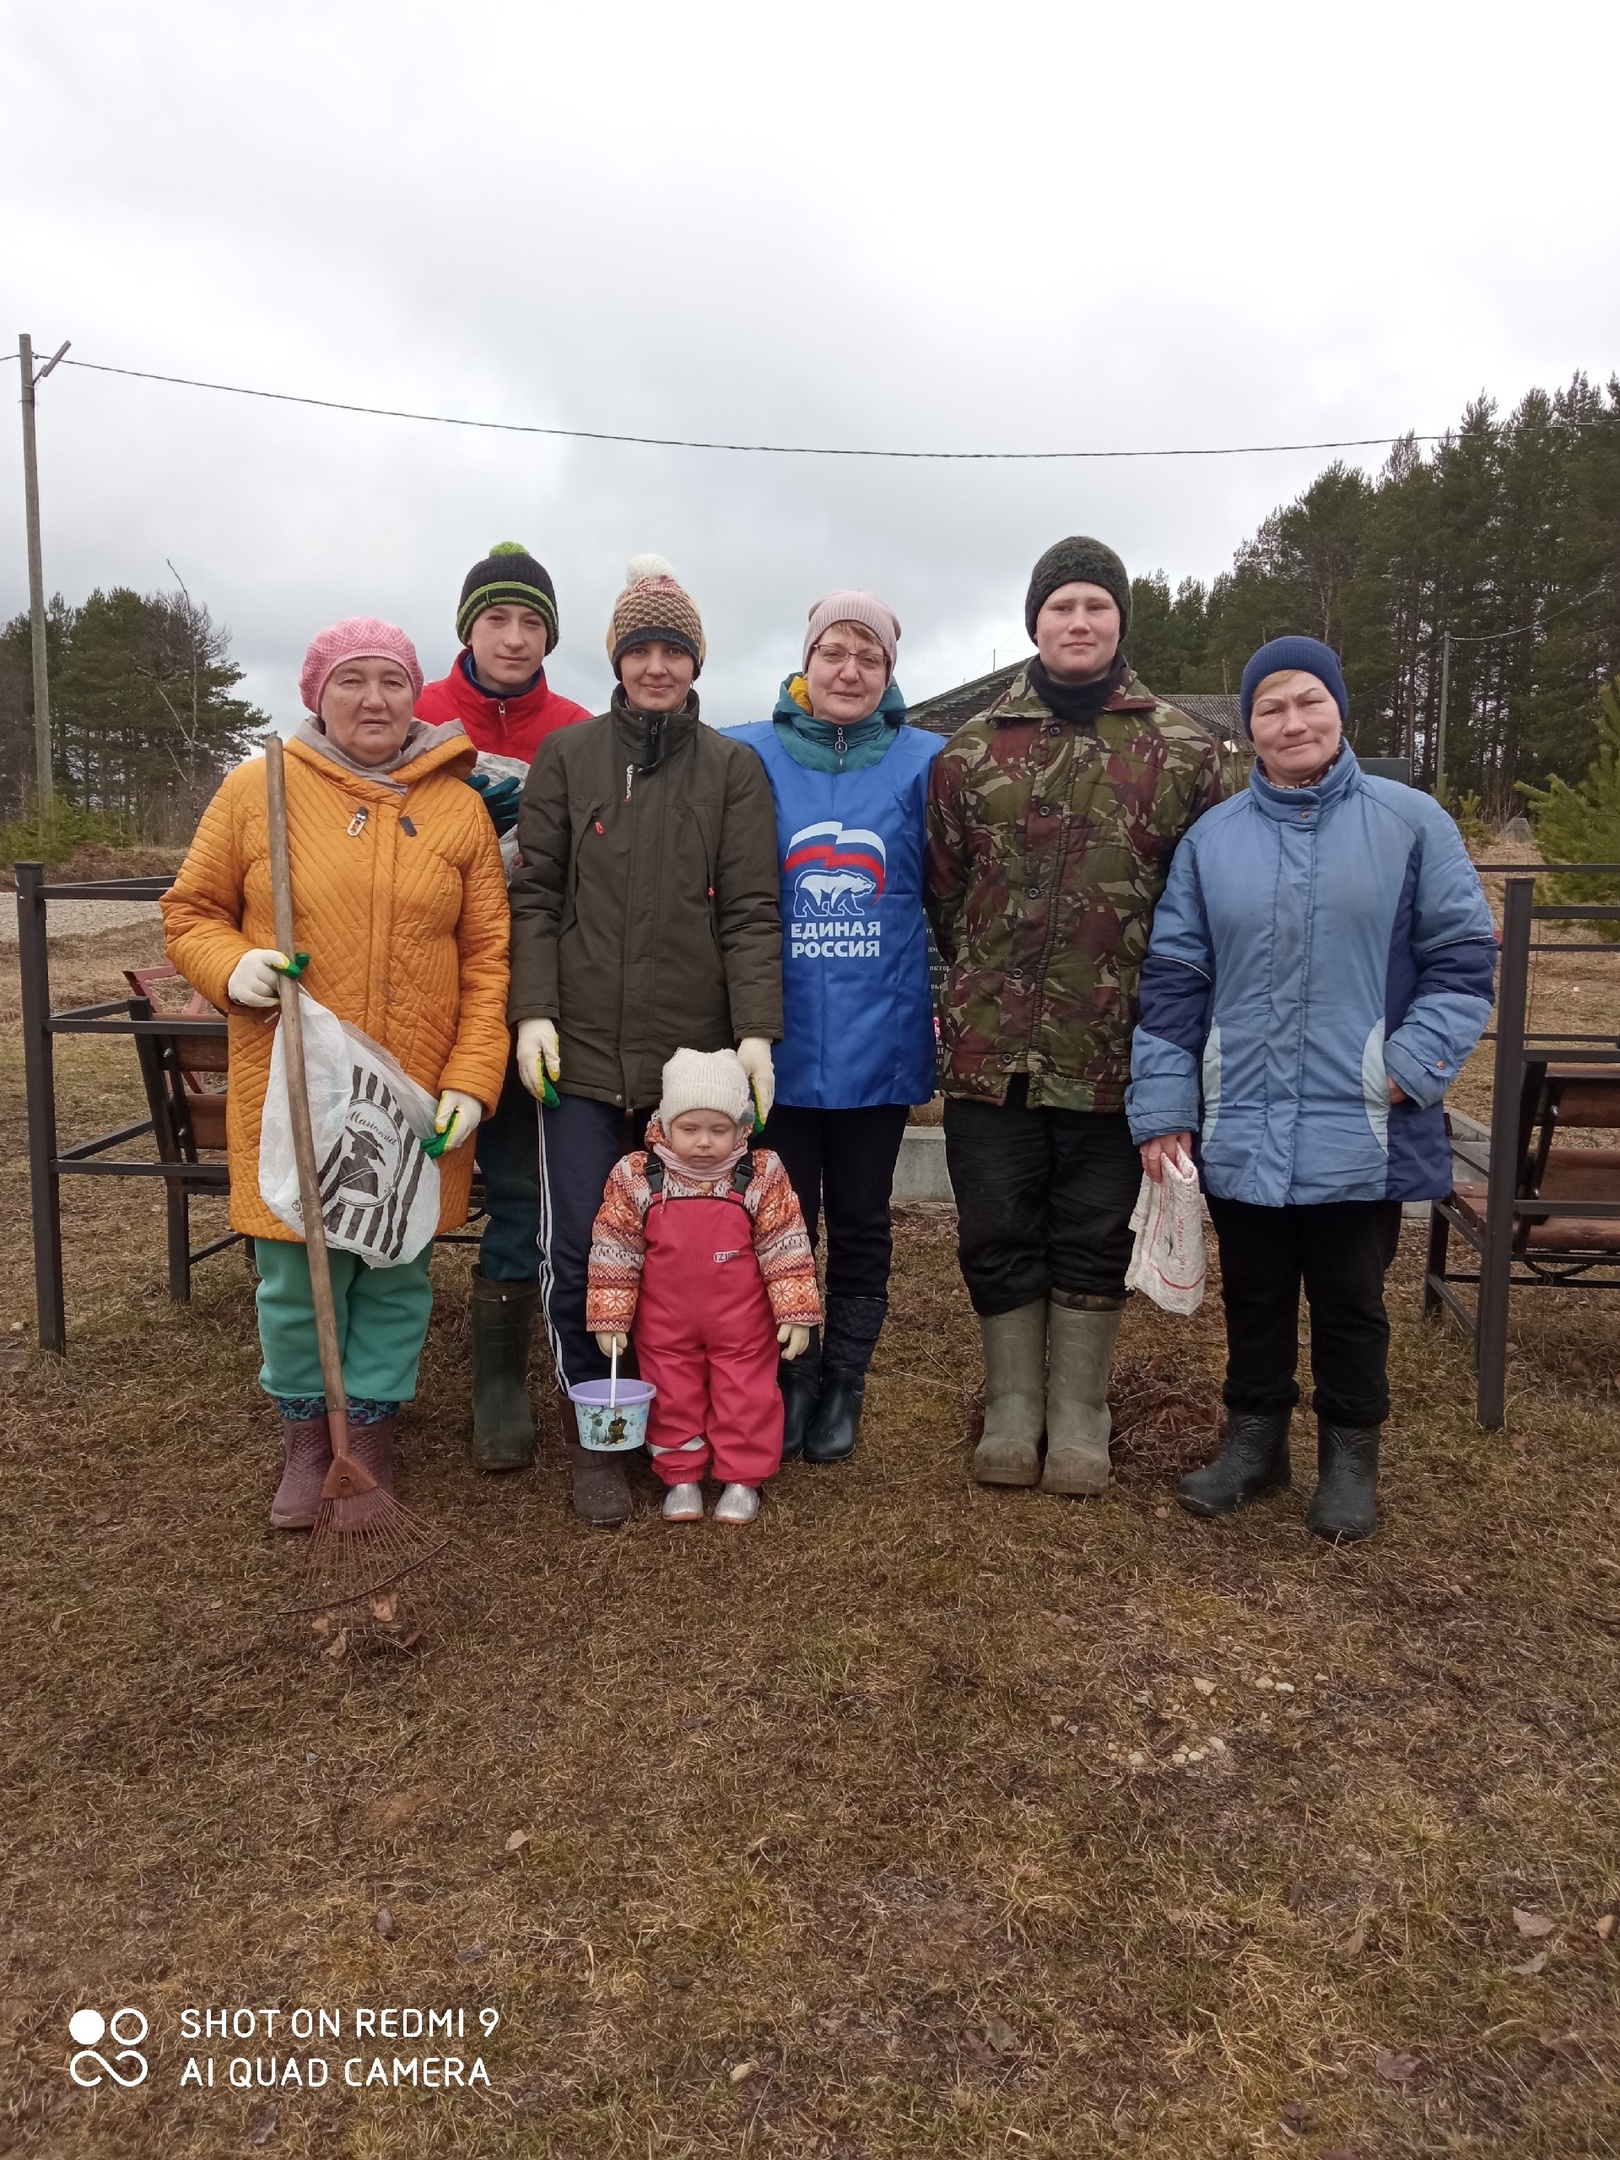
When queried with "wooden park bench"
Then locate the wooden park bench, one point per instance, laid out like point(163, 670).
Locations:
point(184, 1065)
point(1544, 1215)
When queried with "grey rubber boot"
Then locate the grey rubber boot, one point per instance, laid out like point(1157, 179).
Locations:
point(1014, 1397)
point(502, 1316)
point(1080, 1351)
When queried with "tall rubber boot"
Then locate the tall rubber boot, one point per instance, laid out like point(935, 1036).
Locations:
point(1009, 1453)
point(601, 1491)
point(853, 1327)
point(800, 1383)
point(1253, 1461)
point(1343, 1507)
point(306, 1458)
point(1080, 1351)
point(502, 1326)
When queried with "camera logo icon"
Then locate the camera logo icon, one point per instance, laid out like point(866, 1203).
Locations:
point(88, 2028)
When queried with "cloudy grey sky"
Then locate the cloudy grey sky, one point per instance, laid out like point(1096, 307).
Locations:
point(1033, 226)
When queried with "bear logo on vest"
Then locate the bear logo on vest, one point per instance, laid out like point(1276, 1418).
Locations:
point(837, 875)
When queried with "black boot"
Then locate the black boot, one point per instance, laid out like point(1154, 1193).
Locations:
point(1342, 1506)
point(601, 1492)
point(853, 1327)
point(800, 1383)
point(1253, 1460)
point(502, 1329)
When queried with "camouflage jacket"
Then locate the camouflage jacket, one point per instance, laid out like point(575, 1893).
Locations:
point(1048, 847)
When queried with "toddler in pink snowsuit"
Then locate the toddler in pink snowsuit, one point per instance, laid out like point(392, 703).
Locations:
point(700, 1253)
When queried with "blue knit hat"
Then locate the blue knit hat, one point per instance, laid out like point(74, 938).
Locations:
point(1306, 653)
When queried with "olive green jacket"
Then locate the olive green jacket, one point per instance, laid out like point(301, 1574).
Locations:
point(645, 913)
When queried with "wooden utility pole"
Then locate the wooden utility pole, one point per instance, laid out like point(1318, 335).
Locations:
point(44, 786)
point(1440, 732)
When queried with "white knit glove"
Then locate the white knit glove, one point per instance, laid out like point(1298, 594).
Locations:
point(795, 1341)
point(458, 1115)
point(255, 979)
point(613, 1345)
point(754, 1056)
point(537, 1040)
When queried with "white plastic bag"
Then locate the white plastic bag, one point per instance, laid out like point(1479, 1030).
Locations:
point(379, 1192)
point(1167, 1262)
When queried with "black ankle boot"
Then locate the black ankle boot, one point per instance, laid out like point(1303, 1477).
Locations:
point(1253, 1460)
point(800, 1383)
point(1342, 1507)
point(853, 1327)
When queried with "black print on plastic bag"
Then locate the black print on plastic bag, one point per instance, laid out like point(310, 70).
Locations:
point(370, 1178)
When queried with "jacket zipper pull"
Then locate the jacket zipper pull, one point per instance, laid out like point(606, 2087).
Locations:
point(629, 780)
point(357, 824)
point(841, 745)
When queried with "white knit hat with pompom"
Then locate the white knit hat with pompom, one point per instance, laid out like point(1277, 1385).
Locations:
point(705, 1080)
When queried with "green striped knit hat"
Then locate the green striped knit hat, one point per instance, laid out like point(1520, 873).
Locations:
point(508, 576)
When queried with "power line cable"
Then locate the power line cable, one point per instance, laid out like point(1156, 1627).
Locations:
point(762, 449)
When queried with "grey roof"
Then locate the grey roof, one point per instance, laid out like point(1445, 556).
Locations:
point(1217, 713)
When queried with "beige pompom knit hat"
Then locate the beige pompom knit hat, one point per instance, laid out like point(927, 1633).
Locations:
point(705, 1080)
point(654, 609)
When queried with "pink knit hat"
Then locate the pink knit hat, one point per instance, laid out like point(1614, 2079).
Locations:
point(357, 637)
point(857, 607)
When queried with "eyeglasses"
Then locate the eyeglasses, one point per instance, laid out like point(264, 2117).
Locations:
point(837, 656)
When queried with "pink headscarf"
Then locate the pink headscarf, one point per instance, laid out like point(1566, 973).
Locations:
point(357, 637)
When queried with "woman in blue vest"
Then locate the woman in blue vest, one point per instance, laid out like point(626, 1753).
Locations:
point(851, 786)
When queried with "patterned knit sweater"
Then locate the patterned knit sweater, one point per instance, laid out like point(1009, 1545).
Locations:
point(619, 1240)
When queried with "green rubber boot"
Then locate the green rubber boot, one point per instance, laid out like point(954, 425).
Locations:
point(1014, 1386)
point(502, 1330)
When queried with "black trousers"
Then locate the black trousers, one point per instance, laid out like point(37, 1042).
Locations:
point(1340, 1252)
point(580, 1141)
point(841, 1163)
point(1043, 1200)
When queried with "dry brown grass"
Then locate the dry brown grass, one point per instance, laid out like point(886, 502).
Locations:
point(847, 1799)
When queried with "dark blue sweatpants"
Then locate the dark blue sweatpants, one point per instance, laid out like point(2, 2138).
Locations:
point(508, 1150)
point(580, 1141)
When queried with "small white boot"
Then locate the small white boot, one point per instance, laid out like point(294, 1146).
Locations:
point(737, 1504)
point(683, 1503)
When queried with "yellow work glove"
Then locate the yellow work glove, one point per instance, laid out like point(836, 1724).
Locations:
point(255, 977)
point(754, 1056)
point(539, 1058)
point(457, 1117)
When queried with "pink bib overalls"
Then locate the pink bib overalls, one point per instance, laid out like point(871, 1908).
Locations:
point(706, 1339)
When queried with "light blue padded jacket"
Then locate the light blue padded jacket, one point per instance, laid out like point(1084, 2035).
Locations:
point(1313, 944)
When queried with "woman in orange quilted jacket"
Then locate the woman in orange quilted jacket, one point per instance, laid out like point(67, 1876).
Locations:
point(399, 897)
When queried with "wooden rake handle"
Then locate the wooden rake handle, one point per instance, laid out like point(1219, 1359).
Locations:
point(309, 1191)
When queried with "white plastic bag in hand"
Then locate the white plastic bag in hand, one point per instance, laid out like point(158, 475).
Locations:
point(1167, 1263)
point(379, 1192)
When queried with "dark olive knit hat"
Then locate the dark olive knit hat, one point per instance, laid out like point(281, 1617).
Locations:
point(1078, 561)
point(508, 576)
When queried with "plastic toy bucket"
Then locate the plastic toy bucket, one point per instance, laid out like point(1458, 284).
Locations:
point(609, 1427)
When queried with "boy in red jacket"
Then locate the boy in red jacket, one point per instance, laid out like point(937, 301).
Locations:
point(497, 689)
point(700, 1250)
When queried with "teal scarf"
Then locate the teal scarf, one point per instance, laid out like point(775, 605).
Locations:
point(824, 746)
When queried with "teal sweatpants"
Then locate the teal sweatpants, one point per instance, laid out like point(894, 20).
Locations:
point(382, 1317)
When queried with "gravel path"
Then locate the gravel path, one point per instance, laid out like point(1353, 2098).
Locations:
point(79, 918)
